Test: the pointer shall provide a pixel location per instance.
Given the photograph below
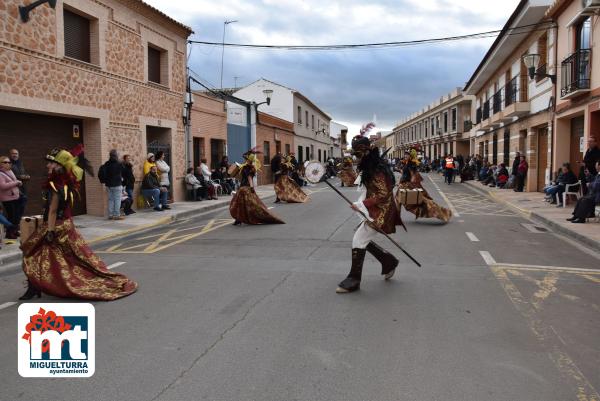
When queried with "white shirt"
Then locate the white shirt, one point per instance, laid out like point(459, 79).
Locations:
point(205, 171)
point(163, 169)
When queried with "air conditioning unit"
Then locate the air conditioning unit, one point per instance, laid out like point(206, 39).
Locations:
point(590, 6)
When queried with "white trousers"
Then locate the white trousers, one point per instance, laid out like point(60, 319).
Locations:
point(363, 235)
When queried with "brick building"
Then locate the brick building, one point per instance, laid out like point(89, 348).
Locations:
point(209, 129)
point(105, 73)
point(273, 135)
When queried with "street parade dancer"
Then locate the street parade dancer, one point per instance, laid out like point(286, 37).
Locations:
point(246, 207)
point(411, 179)
point(377, 202)
point(347, 174)
point(286, 188)
point(56, 259)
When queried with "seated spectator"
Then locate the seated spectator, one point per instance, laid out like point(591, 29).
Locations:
point(490, 180)
point(586, 206)
point(193, 184)
point(126, 203)
point(566, 176)
point(502, 176)
point(151, 188)
point(205, 183)
point(218, 175)
point(484, 172)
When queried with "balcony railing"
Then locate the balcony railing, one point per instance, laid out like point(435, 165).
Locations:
point(575, 72)
point(541, 72)
point(515, 92)
point(478, 115)
point(486, 110)
point(497, 101)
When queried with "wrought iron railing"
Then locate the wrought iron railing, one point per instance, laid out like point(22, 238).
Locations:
point(497, 99)
point(486, 110)
point(576, 72)
point(478, 115)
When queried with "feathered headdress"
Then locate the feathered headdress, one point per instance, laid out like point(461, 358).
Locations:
point(70, 160)
point(252, 158)
point(366, 128)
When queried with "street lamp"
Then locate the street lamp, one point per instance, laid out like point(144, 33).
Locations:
point(225, 23)
point(268, 93)
point(24, 10)
point(532, 62)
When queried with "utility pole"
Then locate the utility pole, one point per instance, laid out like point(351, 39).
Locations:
point(227, 22)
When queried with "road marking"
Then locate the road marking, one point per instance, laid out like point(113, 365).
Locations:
point(271, 207)
point(159, 240)
point(472, 237)
point(7, 304)
point(546, 268)
point(115, 265)
point(445, 198)
point(487, 257)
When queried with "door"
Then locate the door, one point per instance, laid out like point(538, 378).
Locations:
point(542, 157)
point(576, 156)
point(34, 135)
point(495, 149)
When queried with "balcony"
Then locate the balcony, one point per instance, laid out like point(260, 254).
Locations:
point(575, 74)
point(516, 103)
point(497, 116)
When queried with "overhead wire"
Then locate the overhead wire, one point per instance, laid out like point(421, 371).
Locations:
point(519, 30)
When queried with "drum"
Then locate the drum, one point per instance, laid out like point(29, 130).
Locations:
point(233, 170)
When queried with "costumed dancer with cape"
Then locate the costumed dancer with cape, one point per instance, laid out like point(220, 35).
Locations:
point(377, 202)
point(286, 188)
point(246, 207)
point(411, 179)
point(347, 174)
point(56, 258)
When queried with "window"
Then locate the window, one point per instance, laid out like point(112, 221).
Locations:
point(445, 121)
point(583, 34)
point(307, 155)
point(288, 149)
point(198, 150)
point(319, 154)
point(266, 152)
point(306, 114)
point(299, 115)
point(432, 127)
point(153, 65)
point(77, 36)
point(454, 119)
point(542, 50)
point(300, 153)
point(313, 121)
point(277, 146)
point(426, 127)
point(437, 124)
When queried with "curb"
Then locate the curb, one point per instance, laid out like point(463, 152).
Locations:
point(10, 263)
point(558, 228)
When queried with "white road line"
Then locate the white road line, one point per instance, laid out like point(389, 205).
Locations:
point(472, 237)
point(536, 267)
point(115, 265)
point(489, 260)
point(271, 207)
point(7, 304)
point(450, 205)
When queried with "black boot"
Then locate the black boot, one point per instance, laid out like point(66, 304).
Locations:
point(31, 292)
point(277, 200)
point(387, 260)
point(352, 282)
point(237, 223)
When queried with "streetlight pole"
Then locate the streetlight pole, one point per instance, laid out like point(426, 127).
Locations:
point(225, 23)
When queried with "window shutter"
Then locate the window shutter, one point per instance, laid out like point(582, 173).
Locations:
point(153, 65)
point(77, 36)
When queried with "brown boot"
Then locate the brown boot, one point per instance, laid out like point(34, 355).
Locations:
point(387, 260)
point(352, 282)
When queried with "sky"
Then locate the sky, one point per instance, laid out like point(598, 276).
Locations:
point(353, 86)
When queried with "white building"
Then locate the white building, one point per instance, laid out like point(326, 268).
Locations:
point(311, 124)
point(339, 137)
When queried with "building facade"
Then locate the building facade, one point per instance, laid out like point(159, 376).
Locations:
point(440, 128)
point(577, 114)
point(105, 73)
point(311, 124)
point(208, 129)
point(339, 138)
point(512, 112)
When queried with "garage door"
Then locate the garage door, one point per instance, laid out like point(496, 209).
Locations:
point(34, 135)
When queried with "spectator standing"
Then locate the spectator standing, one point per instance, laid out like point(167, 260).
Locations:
point(592, 156)
point(19, 170)
point(128, 178)
point(515, 165)
point(9, 195)
point(163, 172)
point(150, 161)
point(449, 168)
point(522, 169)
point(111, 175)
point(224, 163)
point(151, 189)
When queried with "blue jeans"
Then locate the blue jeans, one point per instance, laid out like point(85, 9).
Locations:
point(159, 198)
point(129, 193)
point(556, 189)
point(114, 201)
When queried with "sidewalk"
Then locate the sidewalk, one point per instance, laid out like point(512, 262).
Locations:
point(95, 229)
point(533, 206)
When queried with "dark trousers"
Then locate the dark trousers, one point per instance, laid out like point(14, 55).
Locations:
point(585, 207)
point(11, 210)
point(449, 175)
point(520, 182)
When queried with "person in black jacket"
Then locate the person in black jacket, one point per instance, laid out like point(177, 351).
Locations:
point(128, 178)
point(276, 171)
point(151, 188)
point(515, 165)
point(565, 177)
point(111, 175)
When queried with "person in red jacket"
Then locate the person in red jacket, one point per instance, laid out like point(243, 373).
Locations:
point(521, 174)
point(377, 203)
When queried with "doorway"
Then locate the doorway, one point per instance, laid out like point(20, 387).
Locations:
point(542, 157)
point(217, 151)
point(576, 146)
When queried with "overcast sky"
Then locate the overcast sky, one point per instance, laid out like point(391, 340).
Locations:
point(351, 86)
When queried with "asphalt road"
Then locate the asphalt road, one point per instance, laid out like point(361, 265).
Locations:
point(506, 312)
